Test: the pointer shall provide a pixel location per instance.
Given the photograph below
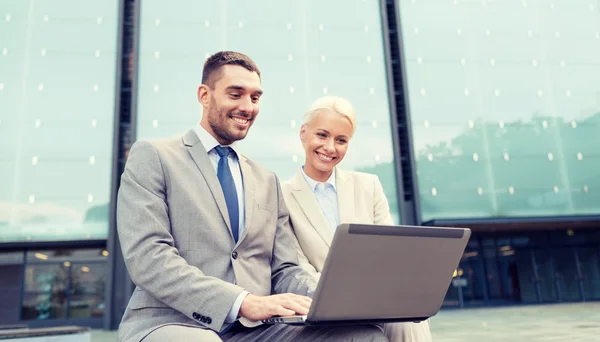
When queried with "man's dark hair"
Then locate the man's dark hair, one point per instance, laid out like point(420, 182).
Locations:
point(212, 67)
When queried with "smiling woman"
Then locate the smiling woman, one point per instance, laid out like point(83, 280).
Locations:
point(321, 196)
point(328, 127)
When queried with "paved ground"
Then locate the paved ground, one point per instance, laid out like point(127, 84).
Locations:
point(559, 322)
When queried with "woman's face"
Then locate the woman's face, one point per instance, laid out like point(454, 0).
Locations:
point(325, 140)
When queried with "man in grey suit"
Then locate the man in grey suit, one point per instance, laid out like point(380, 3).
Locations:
point(205, 232)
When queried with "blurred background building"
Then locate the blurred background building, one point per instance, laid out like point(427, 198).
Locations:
point(475, 113)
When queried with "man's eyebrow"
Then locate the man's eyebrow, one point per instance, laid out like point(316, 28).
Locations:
point(240, 88)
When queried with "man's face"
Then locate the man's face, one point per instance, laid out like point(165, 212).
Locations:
point(325, 141)
point(232, 106)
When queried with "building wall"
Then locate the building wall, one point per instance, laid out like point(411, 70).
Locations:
point(10, 293)
point(503, 101)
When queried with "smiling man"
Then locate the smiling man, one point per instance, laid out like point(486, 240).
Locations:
point(205, 232)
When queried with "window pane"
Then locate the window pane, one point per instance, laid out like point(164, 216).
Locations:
point(39, 306)
point(45, 294)
point(46, 278)
point(57, 86)
point(311, 48)
point(88, 279)
point(504, 106)
point(86, 306)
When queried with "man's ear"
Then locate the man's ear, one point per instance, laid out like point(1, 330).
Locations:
point(203, 95)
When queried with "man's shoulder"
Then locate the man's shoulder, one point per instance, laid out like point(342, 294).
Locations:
point(158, 145)
point(258, 169)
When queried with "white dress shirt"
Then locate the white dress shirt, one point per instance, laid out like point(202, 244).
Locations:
point(209, 142)
point(326, 195)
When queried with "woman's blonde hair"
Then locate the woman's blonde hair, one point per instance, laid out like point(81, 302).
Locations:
point(335, 104)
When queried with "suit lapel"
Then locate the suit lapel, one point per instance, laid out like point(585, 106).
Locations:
point(345, 193)
point(249, 184)
point(200, 157)
point(307, 201)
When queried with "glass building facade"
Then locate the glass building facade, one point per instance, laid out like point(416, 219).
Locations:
point(504, 105)
point(57, 109)
point(303, 53)
point(500, 107)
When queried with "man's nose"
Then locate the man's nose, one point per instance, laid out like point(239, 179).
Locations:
point(246, 105)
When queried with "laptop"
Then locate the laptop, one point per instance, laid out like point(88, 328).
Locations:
point(379, 274)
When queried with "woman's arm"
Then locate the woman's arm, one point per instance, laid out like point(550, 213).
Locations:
point(303, 260)
point(381, 208)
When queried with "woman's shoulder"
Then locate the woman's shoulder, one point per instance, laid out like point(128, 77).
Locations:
point(293, 182)
point(358, 176)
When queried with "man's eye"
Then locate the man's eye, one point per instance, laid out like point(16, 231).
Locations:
point(255, 98)
point(235, 95)
point(322, 135)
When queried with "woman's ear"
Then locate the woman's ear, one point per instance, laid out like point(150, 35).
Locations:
point(303, 134)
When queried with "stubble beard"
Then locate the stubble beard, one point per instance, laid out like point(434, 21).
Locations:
point(219, 122)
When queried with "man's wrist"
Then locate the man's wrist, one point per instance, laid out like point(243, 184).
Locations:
point(234, 312)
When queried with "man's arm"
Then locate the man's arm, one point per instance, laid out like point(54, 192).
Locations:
point(152, 260)
point(289, 281)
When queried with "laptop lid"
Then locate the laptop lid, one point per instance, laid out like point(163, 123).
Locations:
point(387, 273)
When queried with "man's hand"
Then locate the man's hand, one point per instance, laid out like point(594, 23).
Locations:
point(256, 308)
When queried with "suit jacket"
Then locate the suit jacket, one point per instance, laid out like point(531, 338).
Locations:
point(360, 200)
point(176, 238)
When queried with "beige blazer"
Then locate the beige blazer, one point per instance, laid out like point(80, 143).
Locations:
point(174, 230)
point(360, 200)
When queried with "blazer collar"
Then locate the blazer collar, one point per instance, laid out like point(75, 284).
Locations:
point(307, 201)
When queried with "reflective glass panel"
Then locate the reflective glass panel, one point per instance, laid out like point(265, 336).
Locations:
point(305, 49)
point(505, 106)
point(57, 93)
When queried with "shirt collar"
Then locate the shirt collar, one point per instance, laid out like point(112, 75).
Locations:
point(209, 142)
point(313, 183)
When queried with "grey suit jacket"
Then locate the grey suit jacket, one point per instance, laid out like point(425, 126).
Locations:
point(177, 243)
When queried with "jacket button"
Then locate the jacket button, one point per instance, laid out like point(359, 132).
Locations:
point(203, 319)
point(234, 255)
point(196, 315)
point(208, 320)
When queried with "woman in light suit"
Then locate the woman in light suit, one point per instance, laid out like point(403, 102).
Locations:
point(320, 196)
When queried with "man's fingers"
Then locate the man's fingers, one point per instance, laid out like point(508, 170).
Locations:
point(303, 300)
point(295, 305)
point(282, 311)
point(307, 301)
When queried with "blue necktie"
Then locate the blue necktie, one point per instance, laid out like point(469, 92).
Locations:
point(229, 190)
